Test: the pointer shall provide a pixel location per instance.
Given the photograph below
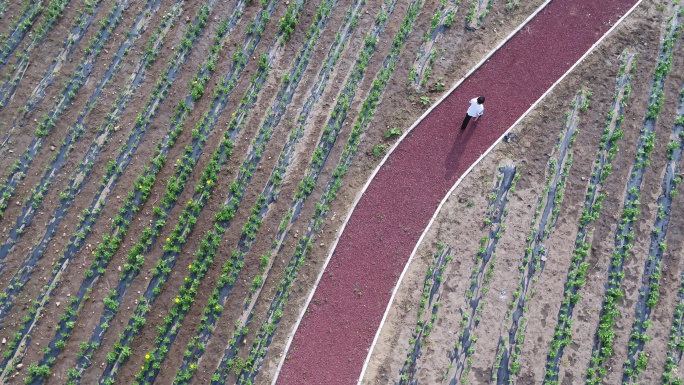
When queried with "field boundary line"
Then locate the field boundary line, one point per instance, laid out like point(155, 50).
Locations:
point(448, 194)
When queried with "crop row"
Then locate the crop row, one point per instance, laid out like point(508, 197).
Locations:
point(485, 260)
point(675, 343)
point(78, 180)
point(577, 271)
point(115, 168)
point(82, 173)
point(478, 11)
point(421, 69)
point(80, 177)
point(3, 6)
point(506, 364)
point(270, 191)
point(142, 188)
point(178, 237)
point(53, 12)
point(264, 337)
point(209, 247)
point(21, 25)
point(232, 268)
point(624, 234)
point(512, 4)
point(18, 68)
point(325, 144)
point(649, 291)
point(71, 87)
point(93, 49)
point(427, 310)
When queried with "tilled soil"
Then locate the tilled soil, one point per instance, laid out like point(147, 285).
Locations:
point(459, 225)
point(397, 205)
point(459, 50)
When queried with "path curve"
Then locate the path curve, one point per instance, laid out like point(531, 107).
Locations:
point(331, 342)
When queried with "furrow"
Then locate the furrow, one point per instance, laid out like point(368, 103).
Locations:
point(608, 148)
point(82, 173)
point(637, 359)
point(77, 32)
point(421, 69)
point(250, 370)
point(480, 277)
point(506, 365)
point(115, 169)
point(624, 235)
point(71, 87)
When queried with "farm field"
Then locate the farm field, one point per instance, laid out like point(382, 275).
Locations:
point(557, 260)
point(174, 172)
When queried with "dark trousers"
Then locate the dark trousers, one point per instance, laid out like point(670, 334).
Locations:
point(465, 121)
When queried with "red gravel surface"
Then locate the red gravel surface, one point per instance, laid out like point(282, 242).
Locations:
point(333, 339)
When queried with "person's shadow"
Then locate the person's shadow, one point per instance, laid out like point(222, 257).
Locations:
point(454, 163)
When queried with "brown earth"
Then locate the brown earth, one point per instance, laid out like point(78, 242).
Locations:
point(459, 225)
point(400, 107)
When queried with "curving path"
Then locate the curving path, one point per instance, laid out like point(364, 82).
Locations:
point(333, 339)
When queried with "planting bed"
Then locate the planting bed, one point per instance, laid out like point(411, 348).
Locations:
point(175, 172)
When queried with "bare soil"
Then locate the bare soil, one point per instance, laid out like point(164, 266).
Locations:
point(459, 226)
point(458, 51)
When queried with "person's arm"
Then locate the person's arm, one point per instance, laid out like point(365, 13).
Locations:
point(478, 115)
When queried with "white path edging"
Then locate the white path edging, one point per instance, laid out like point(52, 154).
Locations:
point(365, 187)
point(377, 169)
point(403, 273)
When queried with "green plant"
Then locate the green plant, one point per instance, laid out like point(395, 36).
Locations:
point(288, 22)
point(394, 131)
point(449, 20)
point(378, 150)
point(439, 86)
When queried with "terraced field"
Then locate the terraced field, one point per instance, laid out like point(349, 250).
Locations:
point(174, 172)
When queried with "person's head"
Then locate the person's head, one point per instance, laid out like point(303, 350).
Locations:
point(480, 100)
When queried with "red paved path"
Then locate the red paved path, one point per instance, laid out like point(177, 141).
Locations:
point(416, 178)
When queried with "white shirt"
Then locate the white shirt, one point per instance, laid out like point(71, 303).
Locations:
point(475, 109)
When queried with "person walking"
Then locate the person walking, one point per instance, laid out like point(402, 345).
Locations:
point(475, 110)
